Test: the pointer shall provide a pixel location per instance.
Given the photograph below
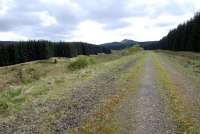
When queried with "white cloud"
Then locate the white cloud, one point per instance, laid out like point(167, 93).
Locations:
point(46, 19)
point(5, 36)
point(4, 4)
point(90, 31)
point(95, 21)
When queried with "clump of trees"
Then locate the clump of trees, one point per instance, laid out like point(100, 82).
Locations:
point(24, 51)
point(186, 37)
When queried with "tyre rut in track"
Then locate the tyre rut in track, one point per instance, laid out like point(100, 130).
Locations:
point(143, 112)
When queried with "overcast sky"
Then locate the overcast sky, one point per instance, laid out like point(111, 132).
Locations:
point(93, 21)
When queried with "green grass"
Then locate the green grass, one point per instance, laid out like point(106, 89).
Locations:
point(3, 107)
point(11, 99)
point(194, 132)
point(44, 82)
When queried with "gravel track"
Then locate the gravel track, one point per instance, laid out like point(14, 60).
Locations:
point(143, 111)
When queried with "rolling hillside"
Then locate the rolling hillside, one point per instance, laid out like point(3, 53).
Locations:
point(127, 44)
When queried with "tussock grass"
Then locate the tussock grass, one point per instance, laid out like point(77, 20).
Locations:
point(3, 107)
point(28, 89)
point(11, 99)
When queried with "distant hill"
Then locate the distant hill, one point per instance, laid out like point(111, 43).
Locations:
point(126, 43)
point(120, 45)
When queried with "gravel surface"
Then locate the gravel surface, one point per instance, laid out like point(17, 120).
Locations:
point(88, 95)
point(150, 112)
point(143, 111)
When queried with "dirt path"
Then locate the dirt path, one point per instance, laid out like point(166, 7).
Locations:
point(150, 113)
point(144, 112)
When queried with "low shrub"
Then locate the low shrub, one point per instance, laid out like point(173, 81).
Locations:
point(3, 107)
point(131, 50)
point(81, 62)
point(135, 48)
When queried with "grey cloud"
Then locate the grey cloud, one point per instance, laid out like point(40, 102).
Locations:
point(14, 21)
point(23, 16)
point(53, 32)
point(111, 10)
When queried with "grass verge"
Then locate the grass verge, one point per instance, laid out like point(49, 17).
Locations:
point(189, 63)
point(182, 115)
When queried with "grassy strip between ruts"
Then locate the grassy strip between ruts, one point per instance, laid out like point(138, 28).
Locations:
point(103, 120)
point(182, 116)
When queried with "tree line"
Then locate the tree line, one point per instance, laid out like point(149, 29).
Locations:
point(186, 37)
point(24, 51)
